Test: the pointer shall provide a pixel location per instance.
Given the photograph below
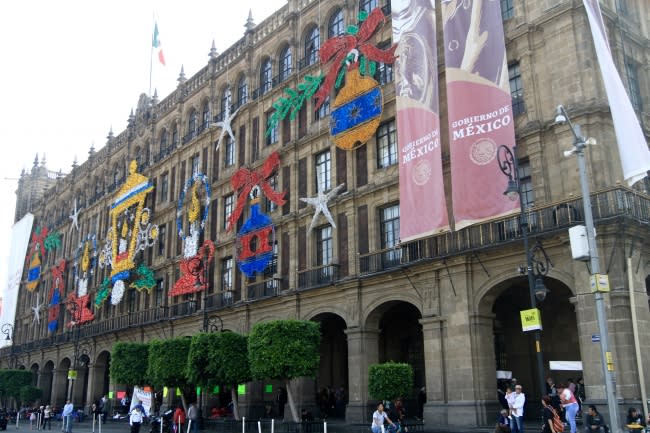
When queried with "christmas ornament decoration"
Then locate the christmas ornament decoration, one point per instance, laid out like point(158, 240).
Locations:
point(226, 123)
point(103, 292)
point(356, 112)
point(319, 203)
point(255, 239)
point(351, 50)
point(42, 241)
point(79, 313)
point(294, 102)
point(74, 216)
point(195, 260)
point(55, 296)
point(84, 263)
point(131, 230)
point(244, 180)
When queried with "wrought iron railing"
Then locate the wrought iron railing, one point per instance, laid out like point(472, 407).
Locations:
point(609, 204)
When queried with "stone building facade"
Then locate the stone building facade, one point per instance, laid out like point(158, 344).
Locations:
point(447, 304)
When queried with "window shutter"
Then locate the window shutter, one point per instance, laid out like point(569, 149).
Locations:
point(302, 246)
point(286, 183)
point(302, 182)
point(362, 166)
point(342, 229)
point(341, 168)
point(362, 217)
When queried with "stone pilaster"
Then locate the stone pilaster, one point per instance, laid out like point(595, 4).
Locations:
point(362, 351)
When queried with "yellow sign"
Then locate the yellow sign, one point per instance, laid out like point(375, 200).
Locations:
point(72, 374)
point(531, 320)
point(599, 283)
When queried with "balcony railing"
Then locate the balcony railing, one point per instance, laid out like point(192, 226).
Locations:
point(609, 206)
point(316, 277)
point(606, 205)
point(264, 289)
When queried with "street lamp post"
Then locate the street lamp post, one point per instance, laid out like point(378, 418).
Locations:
point(508, 164)
point(579, 144)
point(8, 330)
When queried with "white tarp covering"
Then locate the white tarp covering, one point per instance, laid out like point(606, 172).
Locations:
point(20, 233)
point(565, 365)
point(141, 397)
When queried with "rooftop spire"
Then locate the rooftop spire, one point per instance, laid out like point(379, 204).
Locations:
point(213, 51)
point(250, 24)
point(181, 77)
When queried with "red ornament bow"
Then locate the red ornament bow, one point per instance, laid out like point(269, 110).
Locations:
point(340, 46)
point(38, 238)
point(244, 180)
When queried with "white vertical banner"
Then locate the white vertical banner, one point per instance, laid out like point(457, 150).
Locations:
point(20, 234)
point(632, 146)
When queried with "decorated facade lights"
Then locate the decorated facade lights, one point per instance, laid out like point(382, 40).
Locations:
point(196, 260)
point(42, 242)
point(131, 231)
point(54, 299)
point(228, 117)
point(319, 203)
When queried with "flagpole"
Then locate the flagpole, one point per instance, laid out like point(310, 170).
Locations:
point(151, 56)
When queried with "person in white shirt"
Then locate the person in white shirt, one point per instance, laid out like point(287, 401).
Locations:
point(135, 420)
point(518, 410)
point(378, 419)
point(67, 417)
point(570, 405)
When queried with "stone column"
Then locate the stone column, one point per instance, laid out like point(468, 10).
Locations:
point(434, 410)
point(363, 350)
point(59, 387)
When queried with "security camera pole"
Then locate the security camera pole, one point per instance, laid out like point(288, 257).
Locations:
point(579, 145)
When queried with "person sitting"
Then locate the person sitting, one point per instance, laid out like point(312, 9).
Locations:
point(503, 422)
point(594, 422)
point(635, 421)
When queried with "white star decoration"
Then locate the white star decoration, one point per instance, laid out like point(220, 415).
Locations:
point(320, 205)
point(36, 309)
point(225, 124)
point(74, 216)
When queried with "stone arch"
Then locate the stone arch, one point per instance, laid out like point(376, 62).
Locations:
point(377, 307)
point(35, 368)
point(45, 381)
point(330, 15)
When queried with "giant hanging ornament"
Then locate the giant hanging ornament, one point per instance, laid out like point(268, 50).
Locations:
point(357, 109)
point(78, 307)
point(84, 263)
point(319, 203)
point(131, 231)
point(195, 260)
point(42, 241)
point(255, 239)
point(56, 292)
point(294, 101)
point(244, 180)
point(226, 123)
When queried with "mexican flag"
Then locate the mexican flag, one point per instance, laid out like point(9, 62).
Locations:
point(156, 44)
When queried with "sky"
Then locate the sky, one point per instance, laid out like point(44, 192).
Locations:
point(72, 70)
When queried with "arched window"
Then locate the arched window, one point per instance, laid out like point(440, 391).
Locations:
point(335, 25)
point(286, 60)
point(266, 76)
point(367, 5)
point(226, 101)
point(312, 44)
point(206, 115)
point(242, 91)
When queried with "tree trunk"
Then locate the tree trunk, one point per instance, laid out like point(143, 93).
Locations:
point(235, 403)
point(292, 404)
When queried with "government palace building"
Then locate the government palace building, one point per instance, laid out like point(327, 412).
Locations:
point(241, 197)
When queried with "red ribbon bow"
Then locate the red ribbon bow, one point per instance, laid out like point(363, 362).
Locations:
point(38, 238)
point(244, 180)
point(339, 47)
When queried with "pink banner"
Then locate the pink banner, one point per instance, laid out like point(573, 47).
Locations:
point(423, 210)
point(479, 109)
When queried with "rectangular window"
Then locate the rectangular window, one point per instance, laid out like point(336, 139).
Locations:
point(226, 279)
point(162, 237)
point(526, 184)
point(323, 171)
point(507, 10)
point(631, 70)
point(516, 89)
point(160, 292)
point(386, 144)
point(229, 152)
point(389, 226)
point(270, 205)
point(324, 246)
point(384, 72)
point(164, 187)
point(323, 110)
point(228, 208)
point(196, 164)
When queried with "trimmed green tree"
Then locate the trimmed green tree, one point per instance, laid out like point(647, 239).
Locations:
point(168, 364)
point(284, 350)
point(389, 380)
point(29, 394)
point(129, 363)
point(11, 381)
